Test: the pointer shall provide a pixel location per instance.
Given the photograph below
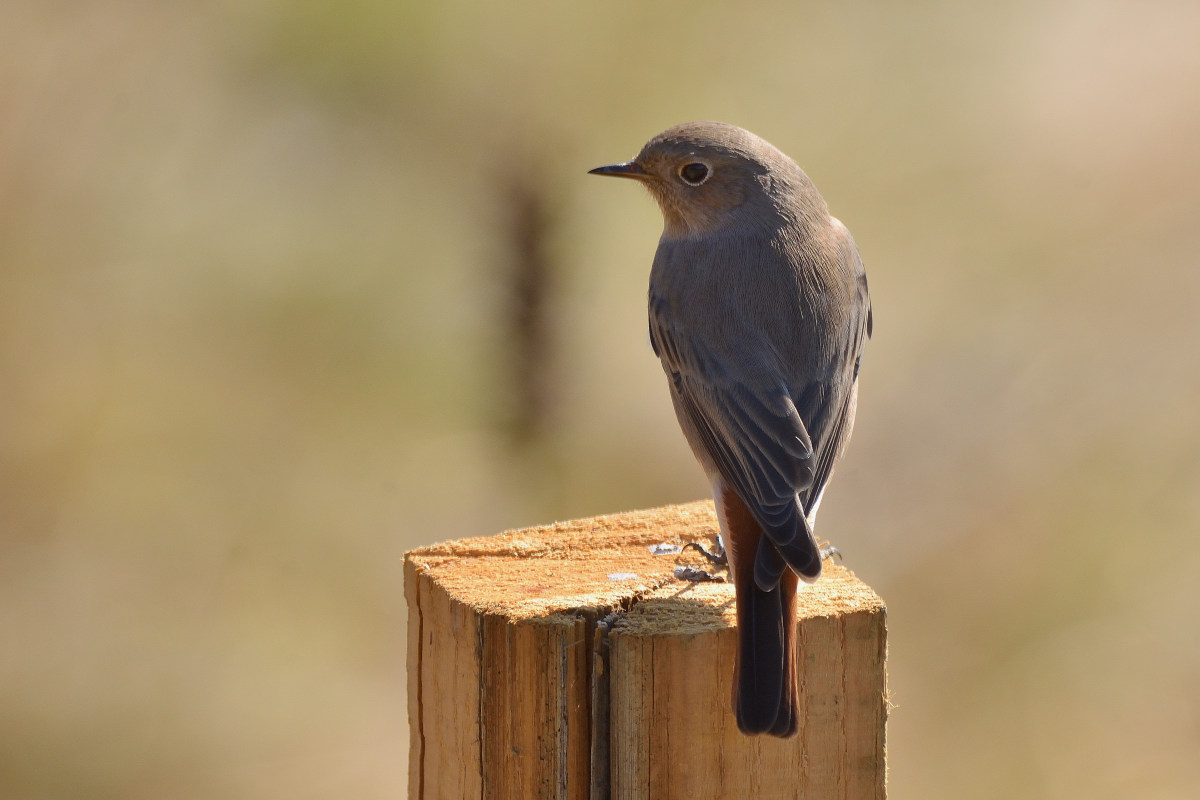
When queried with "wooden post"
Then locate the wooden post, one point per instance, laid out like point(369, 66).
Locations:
point(568, 661)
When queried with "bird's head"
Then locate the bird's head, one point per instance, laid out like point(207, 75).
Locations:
point(709, 175)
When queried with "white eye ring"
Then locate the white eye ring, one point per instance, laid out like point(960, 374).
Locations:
point(695, 173)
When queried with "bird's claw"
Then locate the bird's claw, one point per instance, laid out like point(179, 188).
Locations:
point(829, 551)
point(694, 575)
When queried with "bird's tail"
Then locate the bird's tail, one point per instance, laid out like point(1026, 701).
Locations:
point(765, 681)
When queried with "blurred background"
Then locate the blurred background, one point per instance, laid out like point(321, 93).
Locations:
point(287, 288)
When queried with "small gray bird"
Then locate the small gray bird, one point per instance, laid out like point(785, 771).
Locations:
point(759, 311)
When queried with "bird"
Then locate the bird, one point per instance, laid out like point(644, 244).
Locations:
point(759, 311)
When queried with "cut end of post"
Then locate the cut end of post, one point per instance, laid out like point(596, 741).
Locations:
point(512, 678)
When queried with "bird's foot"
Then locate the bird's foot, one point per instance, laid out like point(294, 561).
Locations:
point(697, 575)
point(687, 573)
point(829, 551)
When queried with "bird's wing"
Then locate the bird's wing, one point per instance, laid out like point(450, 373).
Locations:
point(751, 430)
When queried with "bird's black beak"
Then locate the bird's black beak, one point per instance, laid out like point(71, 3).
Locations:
point(630, 169)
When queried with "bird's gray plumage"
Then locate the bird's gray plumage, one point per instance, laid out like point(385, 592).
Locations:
point(760, 328)
point(759, 310)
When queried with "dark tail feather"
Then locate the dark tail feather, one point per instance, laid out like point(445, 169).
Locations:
point(765, 684)
point(788, 720)
point(766, 676)
point(760, 690)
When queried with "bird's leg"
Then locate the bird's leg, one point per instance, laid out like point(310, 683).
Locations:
point(716, 556)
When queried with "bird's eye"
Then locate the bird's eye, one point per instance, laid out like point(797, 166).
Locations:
point(694, 174)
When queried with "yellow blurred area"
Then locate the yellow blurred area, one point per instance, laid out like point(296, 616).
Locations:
point(255, 343)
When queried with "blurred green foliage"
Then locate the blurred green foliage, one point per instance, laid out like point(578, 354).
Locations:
point(256, 315)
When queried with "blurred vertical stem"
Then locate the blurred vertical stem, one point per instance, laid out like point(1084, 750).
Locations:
point(528, 275)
